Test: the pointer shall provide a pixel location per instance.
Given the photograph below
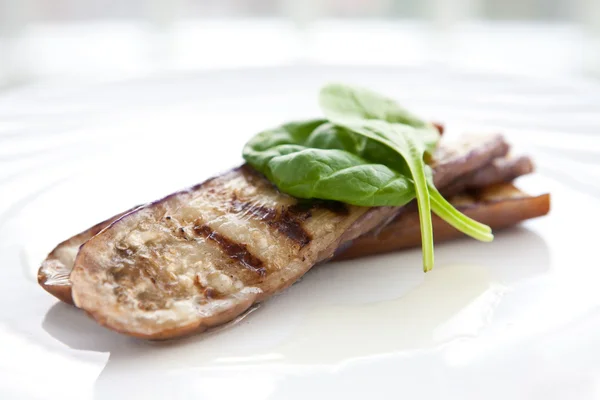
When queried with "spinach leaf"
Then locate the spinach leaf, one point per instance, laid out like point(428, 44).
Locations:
point(323, 164)
point(344, 101)
point(383, 121)
point(290, 133)
point(403, 140)
point(368, 151)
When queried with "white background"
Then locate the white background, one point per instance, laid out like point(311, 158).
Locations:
point(514, 319)
point(111, 40)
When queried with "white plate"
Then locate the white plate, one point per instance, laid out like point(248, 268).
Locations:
point(515, 319)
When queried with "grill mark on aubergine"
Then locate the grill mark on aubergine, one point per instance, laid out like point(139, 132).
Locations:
point(288, 220)
point(234, 250)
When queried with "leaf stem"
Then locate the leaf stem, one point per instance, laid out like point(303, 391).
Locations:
point(451, 215)
point(416, 166)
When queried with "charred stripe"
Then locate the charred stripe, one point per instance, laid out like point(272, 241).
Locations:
point(286, 222)
point(236, 251)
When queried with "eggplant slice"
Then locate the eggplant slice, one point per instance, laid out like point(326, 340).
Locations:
point(201, 257)
point(54, 273)
point(500, 206)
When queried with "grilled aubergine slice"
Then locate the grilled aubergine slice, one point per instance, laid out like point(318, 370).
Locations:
point(499, 206)
point(202, 256)
point(54, 273)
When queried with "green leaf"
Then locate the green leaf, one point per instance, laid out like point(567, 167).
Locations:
point(328, 168)
point(345, 101)
point(381, 120)
point(339, 175)
point(461, 222)
point(404, 141)
point(290, 133)
point(368, 152)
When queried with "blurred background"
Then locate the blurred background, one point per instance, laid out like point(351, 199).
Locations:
point(99, 40)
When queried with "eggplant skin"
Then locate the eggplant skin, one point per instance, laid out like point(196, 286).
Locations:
point(499, 206)
point(53, 274)
point(200, 257)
